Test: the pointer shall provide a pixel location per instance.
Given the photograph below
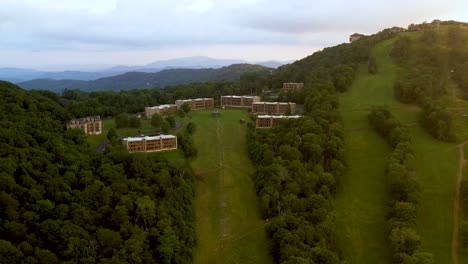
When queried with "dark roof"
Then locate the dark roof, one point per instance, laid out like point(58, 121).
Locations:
point(85, 120)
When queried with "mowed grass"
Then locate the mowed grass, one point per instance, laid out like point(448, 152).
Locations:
point(362, 201)
point(463, 255)
point(229, 226)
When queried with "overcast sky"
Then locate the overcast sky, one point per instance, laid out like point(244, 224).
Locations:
point(85, 34)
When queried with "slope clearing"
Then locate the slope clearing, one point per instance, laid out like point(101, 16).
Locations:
point(229, 226)
point(361, 202)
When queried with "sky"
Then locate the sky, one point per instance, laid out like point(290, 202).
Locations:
point(91, 34)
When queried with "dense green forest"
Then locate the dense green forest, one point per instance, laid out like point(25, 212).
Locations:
point(298, 164)
point(404, 189)
point(108, 103)
point(63, 203)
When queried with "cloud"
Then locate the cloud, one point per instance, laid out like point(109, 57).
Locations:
point(301, 17)
point(123, 25)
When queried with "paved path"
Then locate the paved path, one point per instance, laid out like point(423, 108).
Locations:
point(102, 147)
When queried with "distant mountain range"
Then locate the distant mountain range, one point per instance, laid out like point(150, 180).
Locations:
point(18, 75)
point(136, 80)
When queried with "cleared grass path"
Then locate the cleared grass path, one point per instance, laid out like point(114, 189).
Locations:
point(362, 203)
point(229, 226)
point(455, 237)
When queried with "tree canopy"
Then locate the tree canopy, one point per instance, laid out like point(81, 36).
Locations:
point(63, 203)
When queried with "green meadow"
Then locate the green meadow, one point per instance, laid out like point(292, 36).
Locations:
point(229, 226)
point(362, 201)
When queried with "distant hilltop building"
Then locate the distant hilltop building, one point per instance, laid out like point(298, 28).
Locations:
point(355, 37)
point(162, 110)
point(91, 125)
point(397, 29)
point(269, 121)
point(239, 101)
point(196, 104)
point(276, 108)
point(150, 144)
point(294, 87)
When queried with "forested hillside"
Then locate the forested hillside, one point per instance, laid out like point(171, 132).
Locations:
point(108, 103)
point(143, 80)
point(60, 202)
point(300, 162)
point(435, 62)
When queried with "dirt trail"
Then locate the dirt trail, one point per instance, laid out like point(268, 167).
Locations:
point(456, 208)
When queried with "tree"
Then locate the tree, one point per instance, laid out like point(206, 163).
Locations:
point(171, 121)
point(185, 107)
point(109, 240)
point(121, 121)
point(343, 76)
point(401, 49)
point(9, 253)
point(156, 120)
point(423, 258)
point(181, 113)
point(464, 236)
point(45, 256)
point(134, 122)
point(191, 128)
point(146, 209)
point(185, 142)
point(165, 127)
point(111, 134)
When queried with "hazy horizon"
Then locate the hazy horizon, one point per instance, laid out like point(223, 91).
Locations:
point(87, 35)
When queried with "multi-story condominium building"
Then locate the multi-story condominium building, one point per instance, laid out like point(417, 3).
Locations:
point(162, 110)
point(293, 87)
point(276, 108)
point(269, 121)
point(195, 104)
point(91, 125)
point(150, 144)
point(238, 100)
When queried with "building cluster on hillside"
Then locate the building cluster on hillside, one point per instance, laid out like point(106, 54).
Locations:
point(90, 125)
point(169, 109)
point(274, 110)
point(162, 110)
point(239, 100)
point(150, 144)
point(196, 104)
point(269, 121)
point(292, 87)
point(277, 108)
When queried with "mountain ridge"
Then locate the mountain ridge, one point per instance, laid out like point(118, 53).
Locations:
point(139, 80)
point(17, 75)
